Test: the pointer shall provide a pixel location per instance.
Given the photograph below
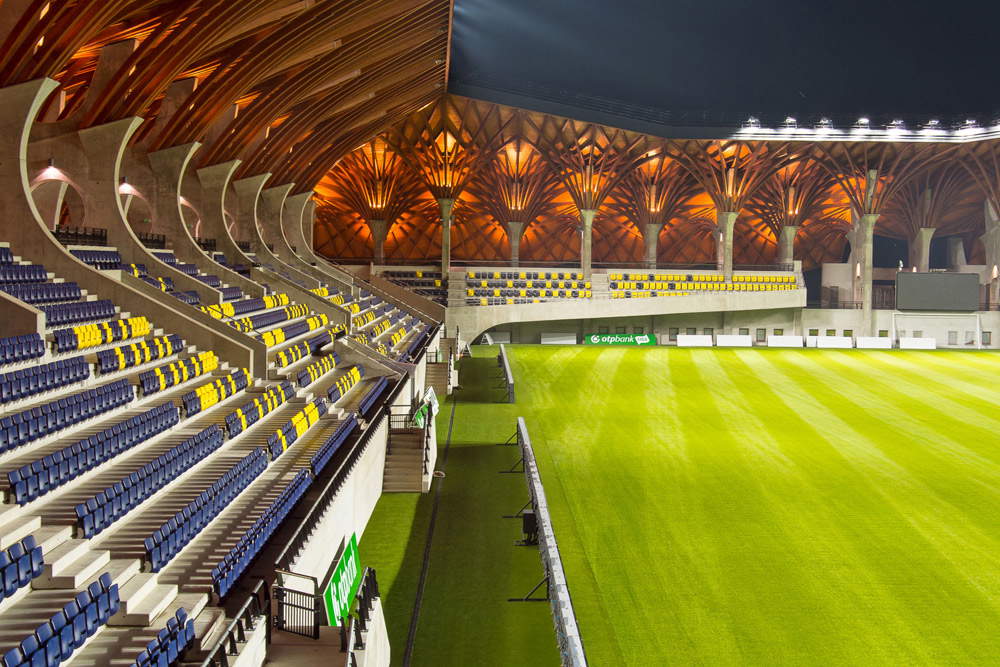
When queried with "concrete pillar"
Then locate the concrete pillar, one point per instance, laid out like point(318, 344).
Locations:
point(514, 231)
point(991, 246)
point(587, 241)
point(215, 180)
point(726, 222)
point(861, 266)
point(379, 229)
point(297, 218)
point(651, 239)
point(167, 169)
point(786, 244)
point(956, 252)
point(920, 249)
point(446, 205)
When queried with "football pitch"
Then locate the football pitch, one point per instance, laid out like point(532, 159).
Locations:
point(772, 506)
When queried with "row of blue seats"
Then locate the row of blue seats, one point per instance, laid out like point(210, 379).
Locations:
point(6, 256)
point(105, 260)
point(373, 397)
point(80, 311)
point(21, 348)
point(243, 418)
point(23, 273)
point(323, 455)
point(230, 293)
point(166, 257)
point(187, 269)
point(413, 349)
point(61, 467)
point(44, 292)
point(114, 502)
point(210, 280)
point(170, 642)
point(190, 298)
point(138, 353)
point(167, 541)
point(19, 564)
point(235, 563)
point(29, 425)
point(37, 379)
point(54, 641)
point(165, 284)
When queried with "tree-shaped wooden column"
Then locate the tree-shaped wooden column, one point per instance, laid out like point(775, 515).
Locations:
point(374, 182)
point(870, 174)
point(516, 187)
point(795, 194)
point(444, 143)
point(922, 206)
point(656, 191)
point(589, 160)
point(730, 172)
point(982, 160)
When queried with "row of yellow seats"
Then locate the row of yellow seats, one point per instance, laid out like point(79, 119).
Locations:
point(101, 333)
point(201, 363)
point(381, 328)
point(142, 352)
point(217, 390)
point(321, 291)
point(321, 367)
point(523, 293)
point(290, 355)
point(397, 336)
point(346, 381)
point(261, 406)
point(762, 287)
point(363, 319)
point(764, 279)
point(523, 275)
point(534, 284)
point(276, 336)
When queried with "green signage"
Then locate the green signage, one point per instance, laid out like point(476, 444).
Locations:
point(343, 585)
point(619, 339)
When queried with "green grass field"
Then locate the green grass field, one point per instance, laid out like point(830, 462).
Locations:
point(732, 507)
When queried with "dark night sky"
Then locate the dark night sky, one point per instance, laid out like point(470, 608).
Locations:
point(769, 56)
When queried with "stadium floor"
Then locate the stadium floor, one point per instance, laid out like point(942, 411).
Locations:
point(752, 506)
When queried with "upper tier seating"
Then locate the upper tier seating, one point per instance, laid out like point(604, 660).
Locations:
point(430, 284)
point(22, 273)
point(645, 285)
point(493, 288)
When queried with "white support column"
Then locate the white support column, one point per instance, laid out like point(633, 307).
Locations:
point(587, 241)
point(991, 244)
point(920, 249)
point(861, 266)
point(379, 228)
point(726, 222)
point(651, 238)
point(786, 244)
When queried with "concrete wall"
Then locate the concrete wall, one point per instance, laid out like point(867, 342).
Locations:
point(19, 318)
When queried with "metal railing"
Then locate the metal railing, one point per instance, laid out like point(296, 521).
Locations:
point(208, 245)
point(557, 590)
point(298, 611)
point(315, 513)
point(508, 375)
point(243, 245)
point(258, 605)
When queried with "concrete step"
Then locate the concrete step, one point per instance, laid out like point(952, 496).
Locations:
point(73, 575)
point(193, 604)
point(136, 589)
point(60, 558)
point(16, 528)
point(147, 607)
point(50, 537)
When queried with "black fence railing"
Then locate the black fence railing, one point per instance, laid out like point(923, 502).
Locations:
point(155, 241)
point(243, 245)
point(208, 245)
point(81, 235)
point(315, 513)
point(256, 609)
point(298, 612)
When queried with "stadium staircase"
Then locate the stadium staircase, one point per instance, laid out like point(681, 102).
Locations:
point(404, 462)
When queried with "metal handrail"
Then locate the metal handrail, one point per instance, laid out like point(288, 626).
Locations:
point(244, 622)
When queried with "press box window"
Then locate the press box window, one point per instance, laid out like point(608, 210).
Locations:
point(761, 335)
point(814, 332)
point(691, 331)
point(602, 330)
point(779, 332)
point(744, 331)
point(672, 334)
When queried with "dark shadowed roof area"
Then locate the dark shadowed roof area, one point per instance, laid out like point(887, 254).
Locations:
point(733, 57)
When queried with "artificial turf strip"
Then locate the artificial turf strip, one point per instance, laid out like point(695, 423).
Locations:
point(465, 617)
point(771, 506)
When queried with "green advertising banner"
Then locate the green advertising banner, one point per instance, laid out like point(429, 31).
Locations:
point(343, 585)
point(619, 339)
